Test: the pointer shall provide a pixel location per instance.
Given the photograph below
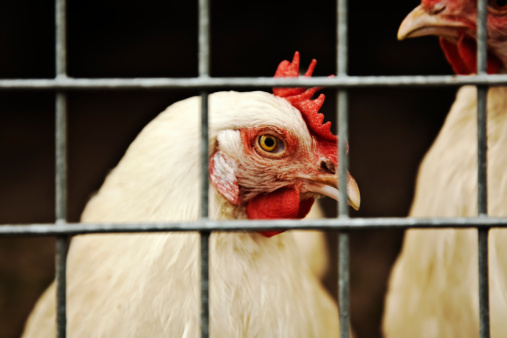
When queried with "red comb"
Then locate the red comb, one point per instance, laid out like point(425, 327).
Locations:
point(301, 98)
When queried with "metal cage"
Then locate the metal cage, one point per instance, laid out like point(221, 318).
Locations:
point(342, 82)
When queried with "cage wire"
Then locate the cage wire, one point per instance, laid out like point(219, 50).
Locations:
point(61, 84)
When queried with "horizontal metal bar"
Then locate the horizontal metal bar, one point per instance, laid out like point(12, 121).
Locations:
point(253, 225)
point(342, 81)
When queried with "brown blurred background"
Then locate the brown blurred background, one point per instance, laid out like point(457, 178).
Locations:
point(390, 129)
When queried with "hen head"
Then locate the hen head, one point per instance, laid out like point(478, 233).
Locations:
point(283, 158)
point(455, 22)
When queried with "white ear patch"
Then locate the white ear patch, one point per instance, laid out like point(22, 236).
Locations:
point(222, 172)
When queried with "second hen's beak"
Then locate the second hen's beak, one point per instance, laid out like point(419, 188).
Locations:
point(422, 21)
point(327, 185)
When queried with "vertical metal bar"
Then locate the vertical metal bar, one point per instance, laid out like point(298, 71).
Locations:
point(205, 284)
point(342, 107)
point(61, 38)
point(342, 103)
point(342, 37)
point(62, 247)
point(343, 237)
point(482, 183)
point(62, 242)
point(204, 38)
point(204, 214)
point(343, 283)
point(484, 320)
point(204, 66)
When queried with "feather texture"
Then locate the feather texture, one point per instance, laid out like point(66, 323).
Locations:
point(146, 285)
point(433, 290)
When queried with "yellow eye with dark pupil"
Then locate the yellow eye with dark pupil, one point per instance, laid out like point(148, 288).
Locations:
point(268, 142)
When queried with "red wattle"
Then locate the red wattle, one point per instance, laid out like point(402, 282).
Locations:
point(467, 49)
point(452, 55)
point(304, 207)
point(463, 56)
point(280, 204)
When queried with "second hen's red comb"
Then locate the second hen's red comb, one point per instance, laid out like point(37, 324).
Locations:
point(301, 98)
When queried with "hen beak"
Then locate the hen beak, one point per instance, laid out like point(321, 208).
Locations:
point(422, 21)
point(327, 185)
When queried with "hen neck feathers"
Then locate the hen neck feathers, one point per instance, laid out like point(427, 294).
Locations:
point(447, 183)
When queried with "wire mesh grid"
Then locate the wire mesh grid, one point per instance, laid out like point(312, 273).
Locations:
point(62, 83)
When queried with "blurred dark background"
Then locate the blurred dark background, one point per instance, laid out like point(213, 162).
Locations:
point(390, 129)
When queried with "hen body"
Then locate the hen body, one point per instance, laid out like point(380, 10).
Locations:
point(147, 285)
point(433, 290)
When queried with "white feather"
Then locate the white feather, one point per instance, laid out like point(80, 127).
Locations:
point(146, 285)
point(433, 290)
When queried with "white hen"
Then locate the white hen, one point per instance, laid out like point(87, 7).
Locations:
point(146, 285)
point(433, 290)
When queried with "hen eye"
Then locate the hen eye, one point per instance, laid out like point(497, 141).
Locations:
point(271, 144)
point(498, 4)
